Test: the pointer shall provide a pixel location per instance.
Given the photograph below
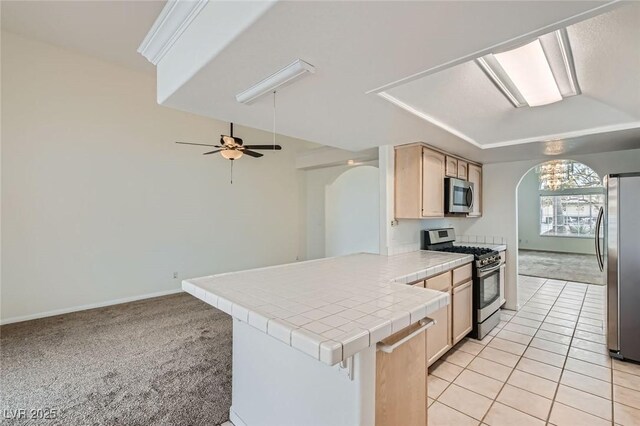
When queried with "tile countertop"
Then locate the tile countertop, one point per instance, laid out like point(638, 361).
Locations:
point(496, 247)
point(331, 308)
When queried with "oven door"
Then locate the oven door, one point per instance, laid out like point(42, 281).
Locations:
point(459, 195)
point(488, 290)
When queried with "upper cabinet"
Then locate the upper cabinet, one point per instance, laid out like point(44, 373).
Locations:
point(419, 182)
point(475, 177)
point(452, 167)
point(463, 169)
point(420, 172)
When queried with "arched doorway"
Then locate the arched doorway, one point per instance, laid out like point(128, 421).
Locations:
point(558, 204)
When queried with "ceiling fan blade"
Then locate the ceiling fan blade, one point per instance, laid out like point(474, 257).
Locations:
point(212, 152)
point(276, 147)
point(252, 153)
point(199, 144)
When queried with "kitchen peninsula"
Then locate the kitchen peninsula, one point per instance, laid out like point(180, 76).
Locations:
point(305, 335)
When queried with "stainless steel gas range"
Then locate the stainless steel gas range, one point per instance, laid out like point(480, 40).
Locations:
point(486, 277)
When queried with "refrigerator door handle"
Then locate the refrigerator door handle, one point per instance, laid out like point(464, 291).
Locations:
point(597, 239)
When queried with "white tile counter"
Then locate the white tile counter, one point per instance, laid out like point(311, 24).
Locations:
point(331, 308)
point(492, 246)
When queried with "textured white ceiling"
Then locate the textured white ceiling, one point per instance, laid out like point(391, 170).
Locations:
point(606, 52)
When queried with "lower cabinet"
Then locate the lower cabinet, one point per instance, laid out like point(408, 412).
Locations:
point(462, 311)
point(401, 379)
point(439, 336)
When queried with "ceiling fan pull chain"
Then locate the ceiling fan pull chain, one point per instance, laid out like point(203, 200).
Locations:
point(232, 171)
point(274, 119)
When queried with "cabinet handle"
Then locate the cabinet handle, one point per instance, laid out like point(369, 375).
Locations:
point(425, 323)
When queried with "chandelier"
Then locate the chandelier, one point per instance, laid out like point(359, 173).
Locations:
point(554, 174)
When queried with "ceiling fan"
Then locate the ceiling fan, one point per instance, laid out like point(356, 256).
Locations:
point(232, 147)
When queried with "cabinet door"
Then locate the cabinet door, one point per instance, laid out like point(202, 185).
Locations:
point(462, 311)
point(503, 270)
point(475, 176)
point(439, 335)
point(432, 183)
point(408, 182)
point(463, 167)
point(452, 167)
point(401, 382)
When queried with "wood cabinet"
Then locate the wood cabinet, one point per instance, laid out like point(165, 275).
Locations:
point(439, 336)
point(419, 177)
point(401, 380)
point(462, 311)
point(463, 168)
point(419, 182)
point(475, 177)
point(451, 167)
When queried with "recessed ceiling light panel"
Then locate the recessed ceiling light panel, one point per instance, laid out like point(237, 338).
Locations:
point(538, 73)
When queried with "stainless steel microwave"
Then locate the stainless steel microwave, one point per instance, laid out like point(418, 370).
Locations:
point(458, 195)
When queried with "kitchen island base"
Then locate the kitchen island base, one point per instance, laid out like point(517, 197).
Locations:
point(275, 385)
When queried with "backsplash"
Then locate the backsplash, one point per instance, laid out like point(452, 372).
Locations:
point(479, 239)
point(404, 248)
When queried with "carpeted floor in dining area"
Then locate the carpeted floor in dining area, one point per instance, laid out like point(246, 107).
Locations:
point(560, 266)
point(161, 361)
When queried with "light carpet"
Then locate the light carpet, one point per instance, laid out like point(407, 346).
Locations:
point(581, 268)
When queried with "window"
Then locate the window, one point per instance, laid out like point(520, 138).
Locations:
point(570, 198)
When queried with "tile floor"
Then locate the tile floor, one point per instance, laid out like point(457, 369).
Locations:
point(545, 364)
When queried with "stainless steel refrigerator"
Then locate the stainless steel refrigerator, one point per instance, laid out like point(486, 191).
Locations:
point(619, 259)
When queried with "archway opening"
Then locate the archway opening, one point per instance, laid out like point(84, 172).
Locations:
point(558, 206)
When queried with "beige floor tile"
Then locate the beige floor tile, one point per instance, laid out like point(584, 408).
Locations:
point(563, 315)
point(547, 345)
point(512, 336)
point(445, 370)
point(557, 329)
point(590, 346)
point(502, 415)
point(441, 415)
point(553, 337)
point(627, 367)
point(560, 321)
point(465, 401)
point(627, 380)
point(429, 401)
point(592, 357)
point(531, 383)
point(584, 401)
point(490, 368)
point(525, 401)
point(505, 343)
point(501, 357)
point(525, 321)
point(590, 328)
point(470, 347)
point(485, 340)
point(624, 415)
point(540, 369)
point(459, 358)
point(530, 315)
point(592, 337)
point(479, 383)
point(522, 329)
point(435, 386)
point(588, 369)
point(562, 415)
point(626, 396)
point(586, 384)
point(544, 356)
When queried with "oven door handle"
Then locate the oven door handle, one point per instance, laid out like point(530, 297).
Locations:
point(486, 271)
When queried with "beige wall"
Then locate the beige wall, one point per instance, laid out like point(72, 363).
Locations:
point(100, 205)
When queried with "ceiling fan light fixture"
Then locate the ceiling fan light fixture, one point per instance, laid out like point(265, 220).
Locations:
point(231, 154)
point(276, 80)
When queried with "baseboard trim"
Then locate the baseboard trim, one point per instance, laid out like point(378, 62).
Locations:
point(89, 306)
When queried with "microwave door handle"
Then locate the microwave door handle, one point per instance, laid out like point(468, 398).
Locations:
point(470, 193)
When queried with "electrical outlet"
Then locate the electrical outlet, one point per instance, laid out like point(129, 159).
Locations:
point(175, 275)
point(394, 222)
